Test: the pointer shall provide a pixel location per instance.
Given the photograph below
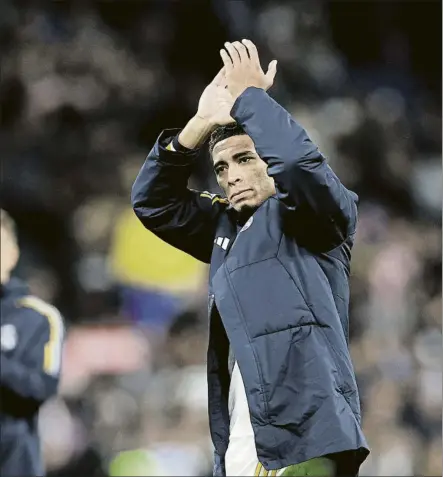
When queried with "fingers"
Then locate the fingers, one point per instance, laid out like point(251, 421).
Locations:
point(242, 51)
point(272, 71)
point(252, 50)
point(220, 78)
point(245, 53)
point(226, 61)
point(233, 53)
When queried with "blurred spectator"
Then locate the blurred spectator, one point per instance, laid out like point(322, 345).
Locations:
point(156, 280)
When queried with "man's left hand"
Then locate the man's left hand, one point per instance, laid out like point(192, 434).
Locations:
point(243, 70)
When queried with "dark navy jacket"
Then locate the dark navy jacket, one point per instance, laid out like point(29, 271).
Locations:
point(31, 345)
point(279, 288)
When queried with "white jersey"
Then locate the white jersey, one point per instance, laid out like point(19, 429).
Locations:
point(241, 457)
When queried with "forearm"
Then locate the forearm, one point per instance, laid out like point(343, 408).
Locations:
point(279, 140)
point(195, 133)
point(162, 201)
point(294, 161)
point(25, 382)
point(164, 174)
point(164, 177)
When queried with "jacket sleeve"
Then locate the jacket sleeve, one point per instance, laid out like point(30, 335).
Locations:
point(184, 218)
point(34, 378)
point(304, 181)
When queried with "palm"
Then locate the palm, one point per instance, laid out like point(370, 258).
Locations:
point(216, 102)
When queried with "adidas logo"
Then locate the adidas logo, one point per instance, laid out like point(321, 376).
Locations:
point(222, 242)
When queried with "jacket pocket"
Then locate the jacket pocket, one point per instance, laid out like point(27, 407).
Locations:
point(298, 373)
point(269, 299)
point(347, 385)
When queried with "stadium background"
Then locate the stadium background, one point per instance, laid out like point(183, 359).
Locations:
point(87, 87)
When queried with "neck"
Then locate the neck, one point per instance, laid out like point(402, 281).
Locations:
point(244, 214)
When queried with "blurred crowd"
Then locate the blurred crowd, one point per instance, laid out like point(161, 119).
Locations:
point(87, 87)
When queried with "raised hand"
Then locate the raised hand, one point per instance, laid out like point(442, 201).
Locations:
point(242, 68)
point(216, 102)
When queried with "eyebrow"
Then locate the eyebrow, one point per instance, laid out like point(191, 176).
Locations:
point(218, 163)
point(239, 155)
point(236, 156)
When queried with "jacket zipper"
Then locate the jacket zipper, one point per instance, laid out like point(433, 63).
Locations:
point(211, 429)
point(211, 304)
point(265, 403)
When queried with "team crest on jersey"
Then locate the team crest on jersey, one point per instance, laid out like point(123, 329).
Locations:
point(9, 337)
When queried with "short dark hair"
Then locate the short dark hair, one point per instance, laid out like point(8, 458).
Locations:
point(223, 132)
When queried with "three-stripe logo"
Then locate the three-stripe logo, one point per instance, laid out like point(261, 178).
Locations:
point(222, 242)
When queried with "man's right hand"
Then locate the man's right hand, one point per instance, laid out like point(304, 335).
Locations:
point(216, 102)
point(214, 110)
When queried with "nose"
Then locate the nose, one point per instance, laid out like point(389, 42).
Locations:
point(234, 176)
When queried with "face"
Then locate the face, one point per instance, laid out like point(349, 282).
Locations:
point(241, 173)
point(9, 254)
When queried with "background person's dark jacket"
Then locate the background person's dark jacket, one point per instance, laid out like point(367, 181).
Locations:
point(280, 286)
point(31, 347)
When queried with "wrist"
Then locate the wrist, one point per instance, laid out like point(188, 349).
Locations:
point(196, 131)
point(236, 94)
point(205, 124)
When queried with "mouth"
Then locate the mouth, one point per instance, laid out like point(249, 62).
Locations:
point(239, 194)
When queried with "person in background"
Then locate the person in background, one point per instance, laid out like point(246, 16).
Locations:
point(32, 334)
